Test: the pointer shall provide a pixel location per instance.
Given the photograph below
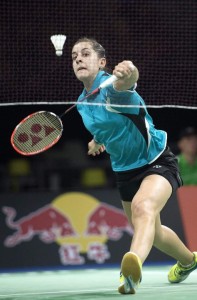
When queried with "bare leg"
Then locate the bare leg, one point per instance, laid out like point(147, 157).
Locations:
point(143, 212)
point(168, 242)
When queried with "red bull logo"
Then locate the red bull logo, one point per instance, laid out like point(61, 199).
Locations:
point(47, 223)
point(108, 220)
point(77, 222)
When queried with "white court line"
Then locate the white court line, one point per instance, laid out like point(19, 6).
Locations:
point(58, 292)
point(191, 288)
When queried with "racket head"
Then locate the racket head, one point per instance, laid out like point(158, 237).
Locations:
point(36, 133)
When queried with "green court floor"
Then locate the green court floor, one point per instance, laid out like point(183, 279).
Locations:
point(93, 284)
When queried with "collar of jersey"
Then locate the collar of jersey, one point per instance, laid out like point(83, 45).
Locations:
point(97, 81)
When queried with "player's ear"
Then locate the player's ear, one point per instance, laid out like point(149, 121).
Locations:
point(102, 63)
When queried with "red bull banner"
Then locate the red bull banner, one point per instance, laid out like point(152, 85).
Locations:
point(78, 226)
point(70, 229)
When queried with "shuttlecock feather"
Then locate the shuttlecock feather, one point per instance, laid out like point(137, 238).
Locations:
point(58, 41)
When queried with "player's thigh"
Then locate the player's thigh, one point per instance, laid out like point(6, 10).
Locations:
point(152, 195)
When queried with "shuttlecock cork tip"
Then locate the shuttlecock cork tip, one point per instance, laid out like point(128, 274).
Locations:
point(59, 52)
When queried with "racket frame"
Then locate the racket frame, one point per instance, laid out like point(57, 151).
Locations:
point(44, 148)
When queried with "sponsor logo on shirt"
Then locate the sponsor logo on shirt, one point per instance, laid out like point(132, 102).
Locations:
point(157, 166)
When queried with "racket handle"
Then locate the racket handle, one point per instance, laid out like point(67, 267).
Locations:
point(108, 82)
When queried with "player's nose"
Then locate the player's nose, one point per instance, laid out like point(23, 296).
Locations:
point(78, 59)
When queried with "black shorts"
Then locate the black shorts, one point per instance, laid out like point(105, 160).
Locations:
point(128, 182)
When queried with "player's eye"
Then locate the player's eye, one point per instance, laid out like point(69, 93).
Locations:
point(74, 57)
point(85, 54)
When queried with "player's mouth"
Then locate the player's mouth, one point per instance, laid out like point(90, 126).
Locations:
point(81, 69)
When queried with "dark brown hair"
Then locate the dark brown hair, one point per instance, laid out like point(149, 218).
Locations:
point(98, 48)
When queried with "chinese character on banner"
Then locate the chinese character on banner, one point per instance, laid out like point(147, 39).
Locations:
point(69, 255)
point(98, 252)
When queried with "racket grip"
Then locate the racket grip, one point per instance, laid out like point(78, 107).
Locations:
point(108, 82)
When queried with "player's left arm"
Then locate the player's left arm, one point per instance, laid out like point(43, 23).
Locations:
point(127, 75)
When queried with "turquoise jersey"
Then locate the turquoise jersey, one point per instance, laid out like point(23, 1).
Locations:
point(128, 133)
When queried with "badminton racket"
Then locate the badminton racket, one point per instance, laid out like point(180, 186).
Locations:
point(41, 130)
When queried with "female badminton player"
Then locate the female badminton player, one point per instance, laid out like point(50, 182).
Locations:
point(146, 170)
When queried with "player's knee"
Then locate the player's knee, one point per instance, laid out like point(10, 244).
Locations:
point(142, 209)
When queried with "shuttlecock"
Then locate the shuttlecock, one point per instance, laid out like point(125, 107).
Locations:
point(58, 41)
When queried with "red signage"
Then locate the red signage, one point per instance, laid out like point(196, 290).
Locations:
point(187, 199)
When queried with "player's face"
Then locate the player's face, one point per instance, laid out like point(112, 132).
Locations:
point(86, 62)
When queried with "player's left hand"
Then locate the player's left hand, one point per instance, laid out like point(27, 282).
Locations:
point(94, 148)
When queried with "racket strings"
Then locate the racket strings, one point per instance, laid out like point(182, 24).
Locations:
point(38, 131)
